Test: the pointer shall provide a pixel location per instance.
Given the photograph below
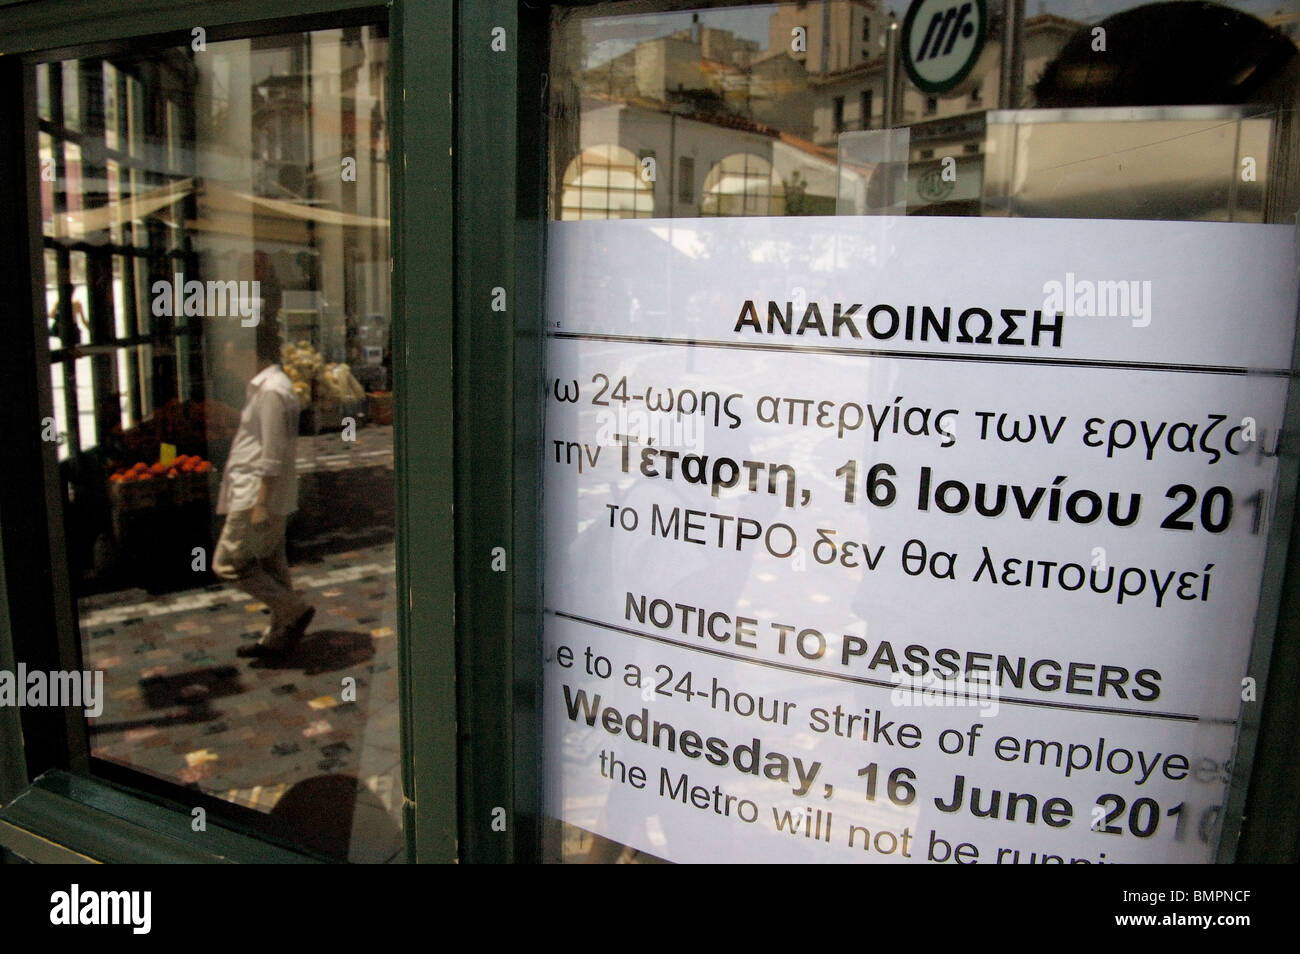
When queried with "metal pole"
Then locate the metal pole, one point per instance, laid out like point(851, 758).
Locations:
point(893, 79)
point(1013, 55)
point(672, 161)
point(826, 36)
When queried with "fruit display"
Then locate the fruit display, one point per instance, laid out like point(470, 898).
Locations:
point(185, 480)
point(182, 464)
point(137, 477)
point(317, 382)
point(302, 363)
point(340, 385)
point(158, 512)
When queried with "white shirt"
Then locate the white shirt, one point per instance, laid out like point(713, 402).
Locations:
point(266, 445)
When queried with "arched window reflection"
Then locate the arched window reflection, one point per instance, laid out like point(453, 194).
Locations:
point(743, 184)
point(604, 182)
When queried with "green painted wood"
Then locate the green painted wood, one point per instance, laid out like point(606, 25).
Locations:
point(532, 176)
point(19, 844)
point(501, 221)
point(1267, 812)
point(98, 821)
point(485, 95)
point(421, 36)
point(56, 25)
point(13, 764)
point(13, 771)
point(486, 310)
point(39, 610)
point(421, 82)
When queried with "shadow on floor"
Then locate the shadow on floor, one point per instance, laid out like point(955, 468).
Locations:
point(326, 650)
point(193, 688)
point(191, 715)
point(318, 813)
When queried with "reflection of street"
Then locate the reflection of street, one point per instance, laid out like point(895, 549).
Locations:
point(182, 706)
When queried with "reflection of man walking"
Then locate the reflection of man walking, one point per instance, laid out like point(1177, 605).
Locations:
point(259, 490)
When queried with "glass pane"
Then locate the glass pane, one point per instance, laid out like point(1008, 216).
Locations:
point(791, 616)
point(217, 283)
point(71, 95)
point(43, 90)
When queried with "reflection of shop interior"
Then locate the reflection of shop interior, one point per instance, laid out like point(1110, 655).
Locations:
point(181, 708)
point(145, 405)
point(149, 182)
point(735, 127)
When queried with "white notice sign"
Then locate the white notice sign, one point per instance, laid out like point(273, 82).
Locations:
point(907, 539)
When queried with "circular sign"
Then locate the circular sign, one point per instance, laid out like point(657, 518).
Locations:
point(942, 40)
point(933, 187)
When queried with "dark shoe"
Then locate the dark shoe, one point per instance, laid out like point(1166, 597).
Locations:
point(295, 630)
point(264, 648)
point(258, 651)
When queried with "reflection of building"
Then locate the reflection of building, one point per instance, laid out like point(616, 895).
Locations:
point(330, 267)
point(705, 164)
point(700, 121)
point(854, 98)
point(837, 34)
point(689, 61)
point(730, 125)
point(726, 131)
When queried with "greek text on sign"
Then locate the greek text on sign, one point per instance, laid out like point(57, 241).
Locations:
point(907, 540)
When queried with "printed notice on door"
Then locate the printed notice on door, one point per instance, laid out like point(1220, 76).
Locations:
point(908, 540)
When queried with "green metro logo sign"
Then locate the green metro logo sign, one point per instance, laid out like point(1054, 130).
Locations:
point(942, 41)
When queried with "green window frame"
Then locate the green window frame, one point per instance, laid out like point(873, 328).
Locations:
point(470, 193)
point(53, 808)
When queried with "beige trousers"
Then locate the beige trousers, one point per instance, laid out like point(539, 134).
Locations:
point(252, 557)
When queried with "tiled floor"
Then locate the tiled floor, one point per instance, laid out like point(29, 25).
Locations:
point(313, 737)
